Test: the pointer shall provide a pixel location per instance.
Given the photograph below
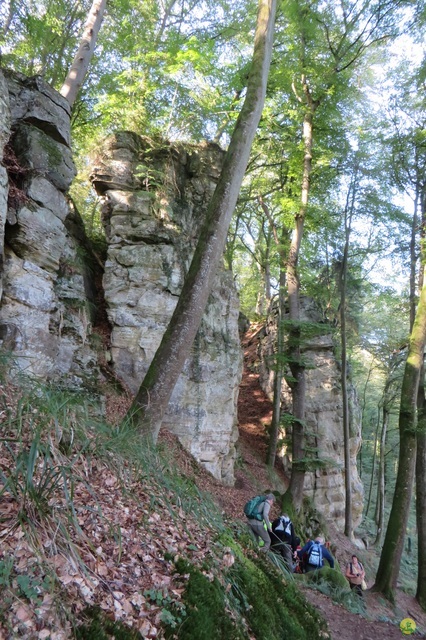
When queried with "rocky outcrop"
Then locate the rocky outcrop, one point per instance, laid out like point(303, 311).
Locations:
point(47, 303)
point(323, 417)
point(154, 199)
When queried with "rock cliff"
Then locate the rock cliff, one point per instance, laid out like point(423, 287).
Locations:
point(47, 295)
point(154, 198)
point(323, 417)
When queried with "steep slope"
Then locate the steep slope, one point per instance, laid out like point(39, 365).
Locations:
point(125, 529)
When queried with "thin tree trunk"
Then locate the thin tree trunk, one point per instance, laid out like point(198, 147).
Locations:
point(380, 505)
point(390, 559)
point(344, 369)
point(282, 246)
point(278, 375)
point(298, 384)
point(8, 19)
point(363, 404)
point(80, 65)
point(151, 400)
point(373, 469)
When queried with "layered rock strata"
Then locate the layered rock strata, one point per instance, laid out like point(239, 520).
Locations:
point(323, 417)
point(154, 199)
point(47, 302)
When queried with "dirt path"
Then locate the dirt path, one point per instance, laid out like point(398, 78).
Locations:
point(381, 620)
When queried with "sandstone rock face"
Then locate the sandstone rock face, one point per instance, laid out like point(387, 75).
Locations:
point(45, 314)
point(323, 419)
point(154, 201)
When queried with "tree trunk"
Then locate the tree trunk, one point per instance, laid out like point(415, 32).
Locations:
point(363, 404)
point(421, 442)
point(380, 506)
point(373, 467)
point(298, 383)
point(421, 495)
point(78, 70)
point(151, 400)
point(278, 375)
point(390, 559)
point(349, 207)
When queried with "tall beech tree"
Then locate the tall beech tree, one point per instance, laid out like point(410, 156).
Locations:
point(342, 35)
point(409, 148)
point(310, 90)
point(390, 558)
point(150, 402)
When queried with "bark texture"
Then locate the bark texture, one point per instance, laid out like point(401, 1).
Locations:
point(421, 496)
point(80, 65)
point(390, 559)
point(298, 383)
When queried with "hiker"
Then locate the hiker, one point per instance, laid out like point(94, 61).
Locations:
point(313, 555)
point(257, 523)
point(283, 539)
point(355, 573)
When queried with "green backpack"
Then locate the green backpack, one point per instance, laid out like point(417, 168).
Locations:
point(251, 508)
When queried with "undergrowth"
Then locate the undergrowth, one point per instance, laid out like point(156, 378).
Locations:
point(51, 440)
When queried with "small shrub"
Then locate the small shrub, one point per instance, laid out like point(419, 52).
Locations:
point(328, 576)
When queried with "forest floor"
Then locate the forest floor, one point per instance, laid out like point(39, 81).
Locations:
point(118, 574)
point(381, 619)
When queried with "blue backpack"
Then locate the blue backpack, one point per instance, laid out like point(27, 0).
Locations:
point(251, 508)
point(315, 555)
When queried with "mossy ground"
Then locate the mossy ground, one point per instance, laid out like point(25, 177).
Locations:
point(252, 599)
point(100, 627)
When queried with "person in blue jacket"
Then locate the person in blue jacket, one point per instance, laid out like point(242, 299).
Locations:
point(313, 554)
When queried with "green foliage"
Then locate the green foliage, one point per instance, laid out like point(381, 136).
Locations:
point(333, 584)
point(33, 480)
point(6, 569)
point(333, 578)
point(173, 612)
point(33, 587)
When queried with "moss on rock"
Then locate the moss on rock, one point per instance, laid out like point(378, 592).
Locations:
point(252, 600)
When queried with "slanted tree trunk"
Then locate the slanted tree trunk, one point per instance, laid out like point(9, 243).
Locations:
point(150, 402)
point(390, 559)
point(80, 65)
